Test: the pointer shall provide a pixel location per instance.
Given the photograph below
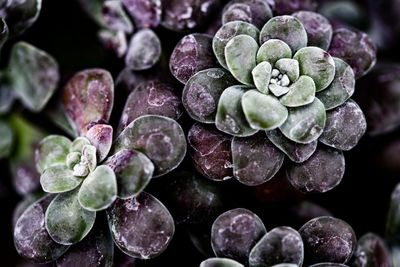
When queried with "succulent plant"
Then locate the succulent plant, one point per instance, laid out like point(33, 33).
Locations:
point(278, 93)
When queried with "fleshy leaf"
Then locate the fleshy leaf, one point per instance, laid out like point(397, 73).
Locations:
point(66, 221)
point(317, 64)
point(202, 92)
point(263, 112)
point(88, 99)
point(341, 88)
point(144, 50)
point(256, 12)
point(6, 140)
point(115, 18)
point(278, 90)
point(227, 32)
point(58, 179)
point(141, 227)
point(322, 172)
point(34, 75)
point(145, 13)
point(371, 250)
point(31, 239)
point(301, 93)
point(73, 158)
point(295, 151)
point(240, 56)
point(255, 159)
point(78, 144)
point(273, 50)
point(220, 262)
point(114, 41)
point(305, 124)
point(133, 171)
point(51, 151)
point(345, 125)
point(7, 94)
point(99, 189)
point(290, 67)
point(230, 118)
point(160, 138)
point(281, 244)
point(261, 76)
point(285, 28)
point(89, 155)
point(100, 136)
point(236, 12)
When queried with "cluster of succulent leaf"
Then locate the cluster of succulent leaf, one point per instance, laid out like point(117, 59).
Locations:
point(279, 92)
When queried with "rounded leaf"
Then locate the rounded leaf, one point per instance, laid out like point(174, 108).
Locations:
point(88, 99)
point(115, 18)
point(301, 93)
point(345, 125)
point(51, 151)
point(220, 262)
point(287, 29)
point(141, 227)
point(66, 221)
point(372, 250)
point(202, 92)
point(58, 179)
point(230, 118)
point(261, 76)
point(255, 159)
point(290, 67)
point(240, 56)
point(99, 189)
point(227, 32)
point(322, 172)
point(160, 138)
point(133, 171)
point(256, 12)
point(145, 13)
point(273, 50)
point(305, 124)
point(78, 144)
point(100, 136)
point(317, 64)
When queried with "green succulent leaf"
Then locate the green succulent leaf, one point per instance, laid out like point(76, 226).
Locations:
point(6, 139)
point(73, 158)
point(263, 112)
point(278, 90)
point(100, 136)
point(301, 93)
point(66, 221)
point(227, 32)
point(305, 124)
point(59, 179)
point(99, 189)
point(51, 151)
point(290, 67)
point(286, 28)
point(34, 75)
point(89, 155)
point(220, 262)
point(261, 76)
point(240, 55)
point(78, 144)
point(230, 117)
point(317, 64)
point(342, 87)
point(273, 50)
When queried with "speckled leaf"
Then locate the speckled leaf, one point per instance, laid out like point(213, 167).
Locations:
point(236, 12)
point(305, 124)
point(192, 54)
point(227, 32)
point(144, 50)
point(278, 90)
point(290, 67)
point(145, 13)
point(281, 244)
point(295, 151)
point(202, 92)
point(345, 125)
point(99, 189)
point(100, 136)
point(210, 150)
point(220, 262)
point(133, 171)
point(141, 227)
point(341, 88)
point(256, 12)
point(317, 64)
point(66, 221)
point(89, 98)
point(319, 30)
point(115, 18)
point(285, 28)
point(89, 154)
point(240, 56)
point(255, 159)
point(6, 140)
point(160, 138)
point(273, 50)
point(58, 179)
point(51, 151)
point(322, 172)
point(151, 98)
point(230, 118)
point(235, 232)
point(34, 75)
point(261, 76)
point(78, 144)
point(31, 239)
point(372, 250)
point(301, 93)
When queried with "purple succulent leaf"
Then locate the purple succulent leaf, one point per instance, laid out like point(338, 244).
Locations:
point(145, 13)
point(115, 17)
point(372, 249)
point(284, 7)
point(101, 137)
point(114, 41)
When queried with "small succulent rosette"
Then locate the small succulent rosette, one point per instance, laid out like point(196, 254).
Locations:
point(93, 173)
point(278, 92)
